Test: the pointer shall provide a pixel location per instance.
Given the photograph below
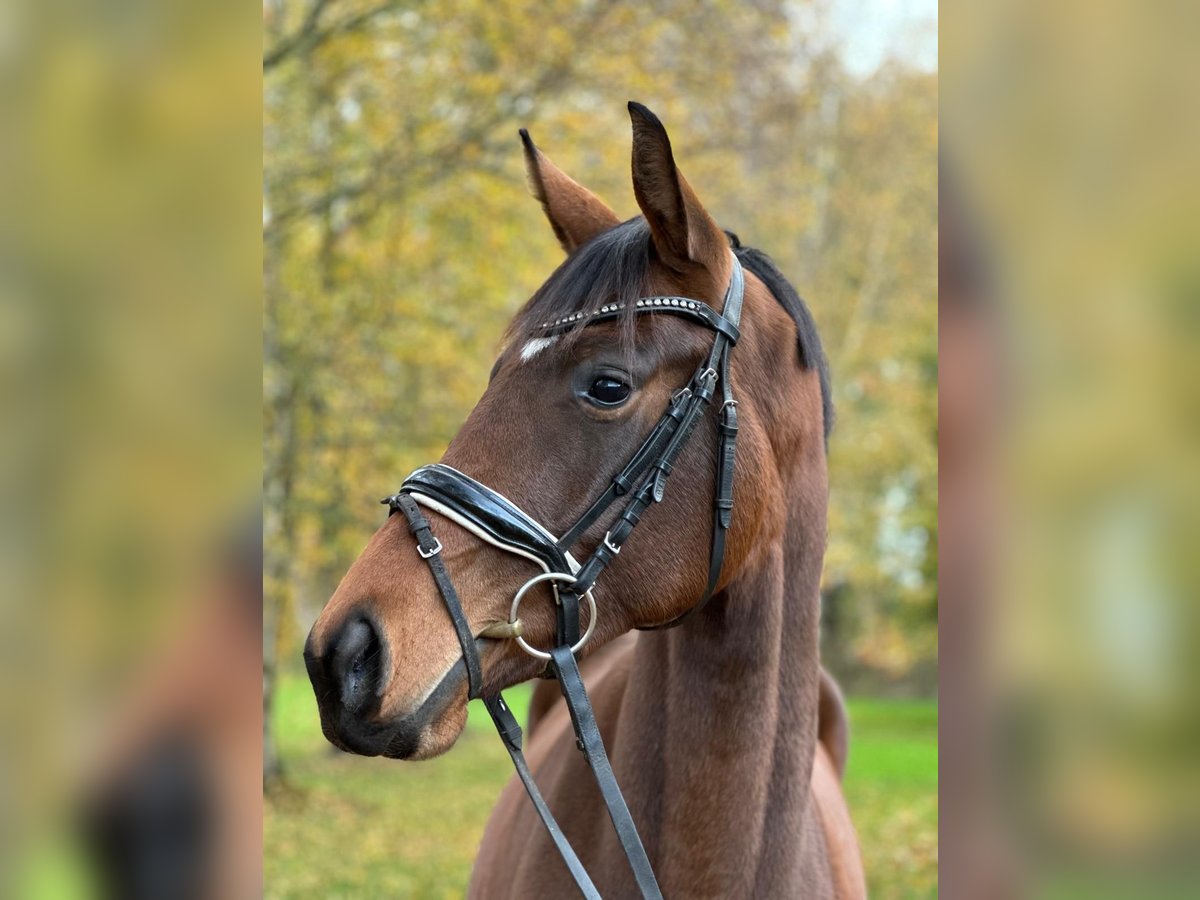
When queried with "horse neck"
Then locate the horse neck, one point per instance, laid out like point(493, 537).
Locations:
point(720, 721)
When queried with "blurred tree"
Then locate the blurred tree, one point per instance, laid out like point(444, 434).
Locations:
point(399, 240)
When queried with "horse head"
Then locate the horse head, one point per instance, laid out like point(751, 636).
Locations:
point(580, 382)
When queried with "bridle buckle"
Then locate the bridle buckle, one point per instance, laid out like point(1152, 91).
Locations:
point(432, 551)
point(612, 548)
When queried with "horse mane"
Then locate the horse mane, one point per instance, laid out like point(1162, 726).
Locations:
point(614, 267)
point(808, 340)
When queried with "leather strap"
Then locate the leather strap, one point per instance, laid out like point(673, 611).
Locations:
point(510, 734)
point(506, 723)
point(727, 429)
point(626, 480)
point(430, 549)
point(567, 631)
point(589, 741)
point(582, 718)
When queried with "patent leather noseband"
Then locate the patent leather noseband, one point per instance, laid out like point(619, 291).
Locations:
point(495, 519)
point(488, 514)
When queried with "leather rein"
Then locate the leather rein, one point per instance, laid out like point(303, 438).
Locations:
point(498, 521)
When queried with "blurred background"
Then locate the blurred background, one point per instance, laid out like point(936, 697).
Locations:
point(130, 319)
point(399, 239)
point(1070, 492)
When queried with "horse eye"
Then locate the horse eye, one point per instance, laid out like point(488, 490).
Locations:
point(608, 391)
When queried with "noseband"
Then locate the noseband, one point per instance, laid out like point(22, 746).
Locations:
point(498, 521)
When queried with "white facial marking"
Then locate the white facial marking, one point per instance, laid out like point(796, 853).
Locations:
point(536, 346)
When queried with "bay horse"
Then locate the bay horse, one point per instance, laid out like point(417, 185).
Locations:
point(726, 736)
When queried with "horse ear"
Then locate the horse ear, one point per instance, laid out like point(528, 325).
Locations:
point(575, 213)
point(685, 236)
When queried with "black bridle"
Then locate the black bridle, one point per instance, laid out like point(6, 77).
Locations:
point(500, 522)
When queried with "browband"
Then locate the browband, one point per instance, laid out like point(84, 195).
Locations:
point(701, 313)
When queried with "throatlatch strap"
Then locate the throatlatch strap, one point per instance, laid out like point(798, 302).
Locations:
point(584, 721)
point(430, 549)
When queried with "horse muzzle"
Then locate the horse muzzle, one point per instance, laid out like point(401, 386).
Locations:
point(349, 672)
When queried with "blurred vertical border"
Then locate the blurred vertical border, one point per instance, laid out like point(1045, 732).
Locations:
point(1070, 493)
point(130, 449)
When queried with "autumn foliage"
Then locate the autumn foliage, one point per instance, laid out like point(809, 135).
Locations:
point(399, 239)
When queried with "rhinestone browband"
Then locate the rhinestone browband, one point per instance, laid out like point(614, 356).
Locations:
point(674, 305)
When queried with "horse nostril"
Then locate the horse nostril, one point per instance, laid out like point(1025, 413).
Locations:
point(356, 663)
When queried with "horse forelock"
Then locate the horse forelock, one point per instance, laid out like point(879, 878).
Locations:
point(617, 266)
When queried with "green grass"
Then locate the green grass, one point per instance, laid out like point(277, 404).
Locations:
point(353, 827)
point(891, 786)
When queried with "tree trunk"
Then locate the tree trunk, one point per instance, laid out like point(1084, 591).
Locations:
point(279, 465)
point(278, 544)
